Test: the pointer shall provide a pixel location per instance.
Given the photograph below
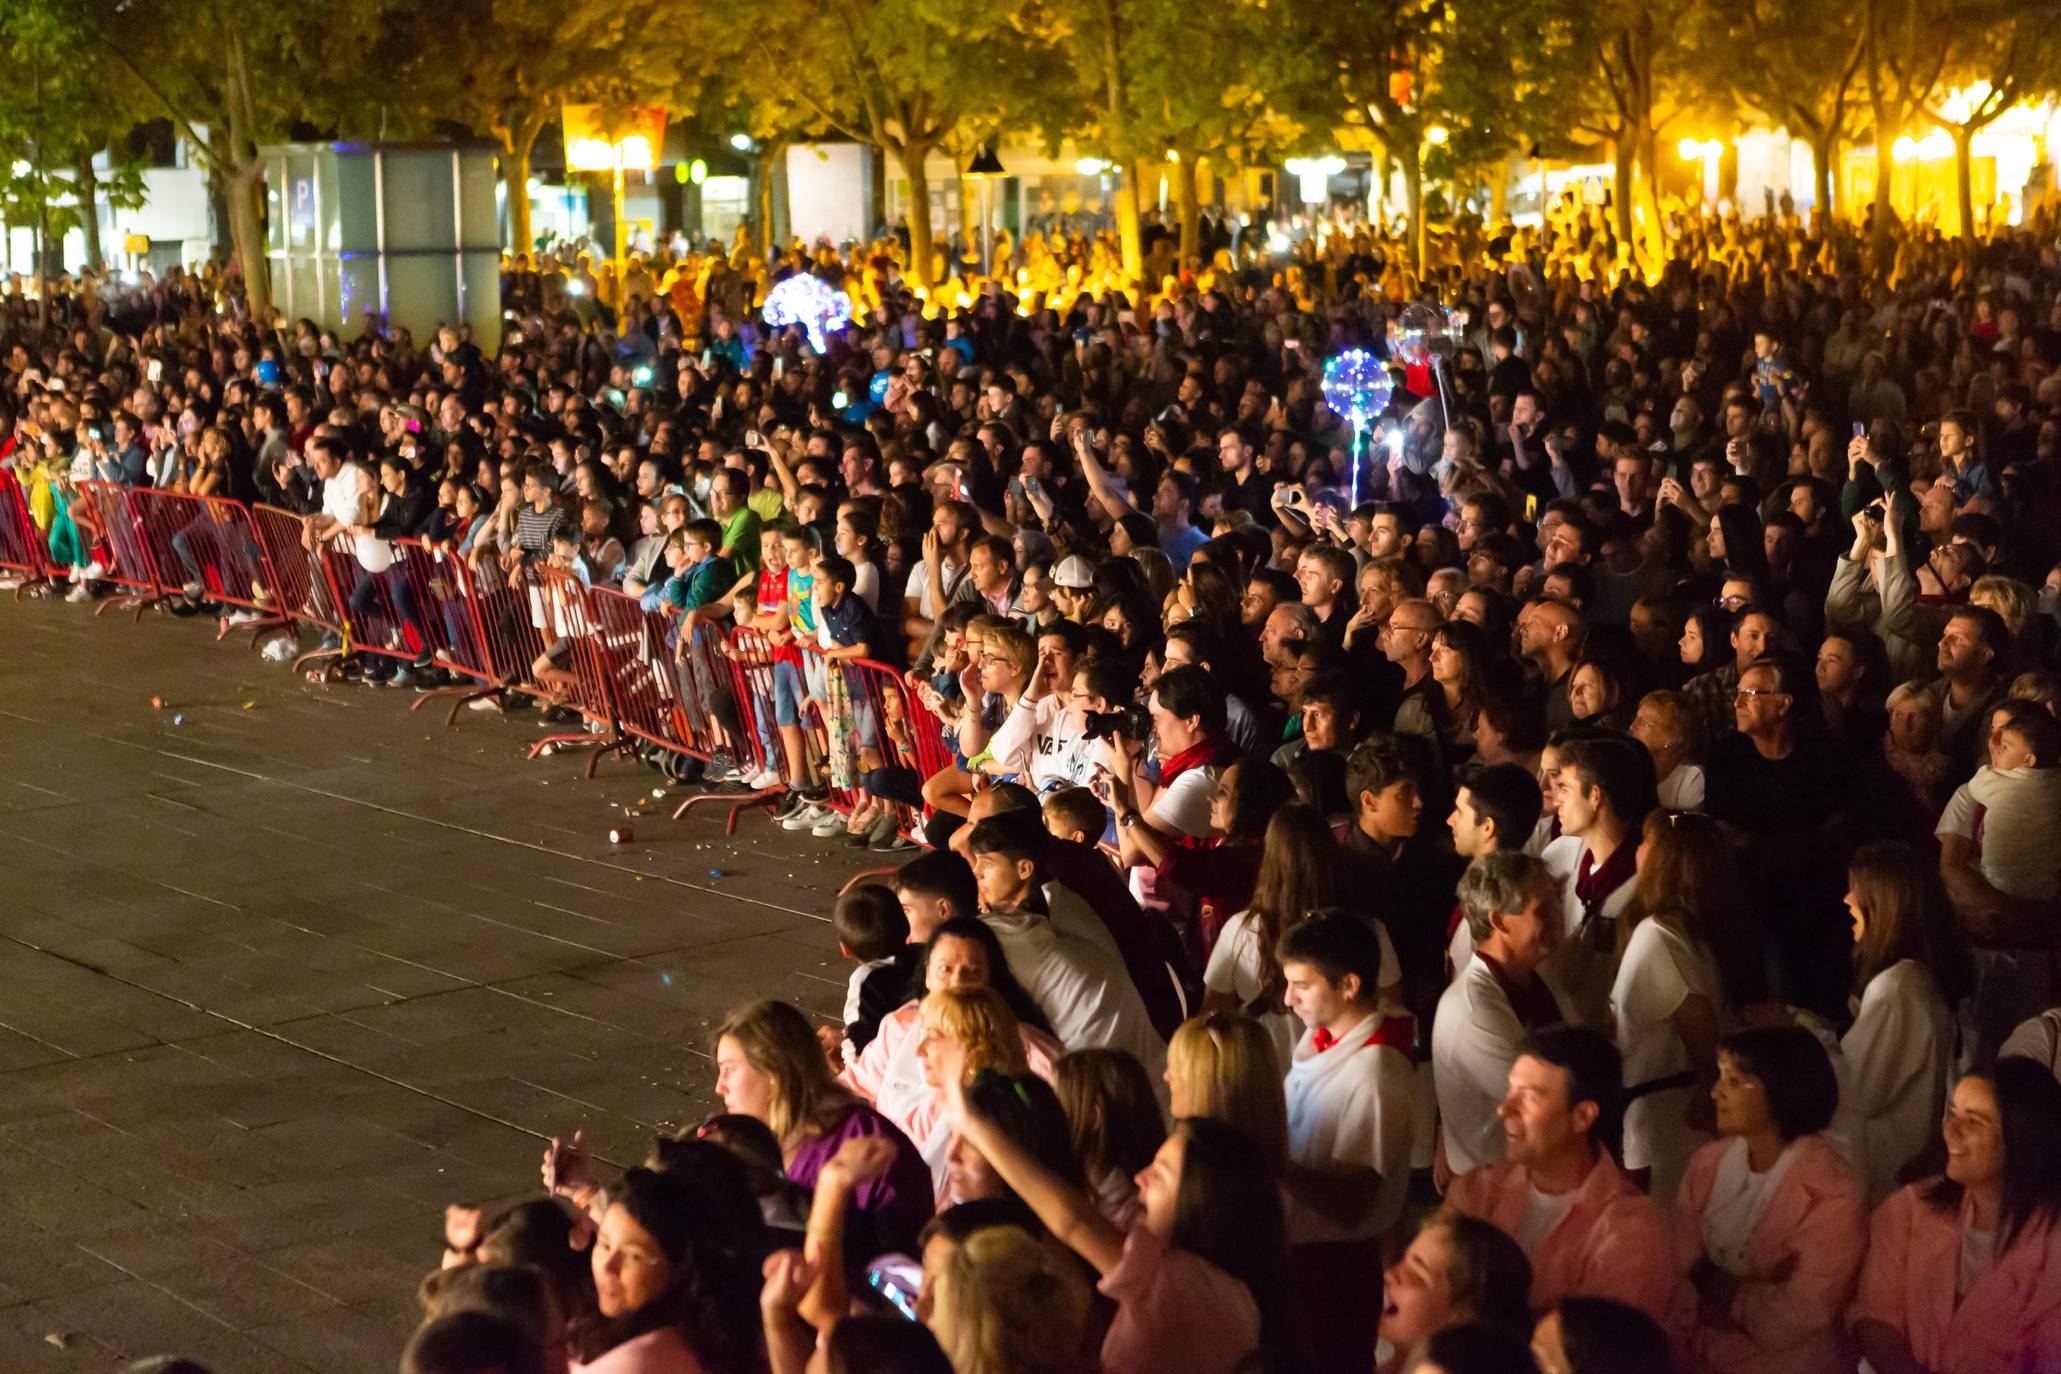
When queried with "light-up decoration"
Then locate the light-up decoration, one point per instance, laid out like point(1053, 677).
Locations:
point(812, 303)
point(1091, 166)
point(1357, 387)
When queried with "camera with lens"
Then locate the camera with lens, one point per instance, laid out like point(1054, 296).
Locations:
point(1132, 722)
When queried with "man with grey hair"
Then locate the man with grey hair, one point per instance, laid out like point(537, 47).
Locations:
point(1512, 907)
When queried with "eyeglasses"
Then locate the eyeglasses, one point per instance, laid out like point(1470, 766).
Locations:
point(1749, 693)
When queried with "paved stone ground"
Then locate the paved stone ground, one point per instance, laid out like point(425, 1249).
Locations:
point(285, 968)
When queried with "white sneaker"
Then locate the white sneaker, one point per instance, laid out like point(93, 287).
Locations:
point(762, 780)
point(78, 574)
point(832, 823)
point(82, 592)
point(807, 816)
point(95, 571)
point(194, 588)
point(244, 617)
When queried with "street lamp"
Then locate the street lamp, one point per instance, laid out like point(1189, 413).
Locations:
point(1707, 153)
point(598, 141)
point(984, 168)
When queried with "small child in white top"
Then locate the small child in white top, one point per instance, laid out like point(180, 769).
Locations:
point(2007, 818)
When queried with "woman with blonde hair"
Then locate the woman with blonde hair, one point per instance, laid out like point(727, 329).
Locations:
point(893, 1071)
point(1002, 1303)
point(1224, 1066)
point(770, 1065)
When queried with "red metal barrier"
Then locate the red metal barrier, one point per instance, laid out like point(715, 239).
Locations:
point(203, 547)
point(658, 697)
point(299, 590)
point(24, 553)
point(129, 565)
point(572, 670)
point(447, 588)
point(740, 663)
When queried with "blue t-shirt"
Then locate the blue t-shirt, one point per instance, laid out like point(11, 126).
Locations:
point(1180, 545)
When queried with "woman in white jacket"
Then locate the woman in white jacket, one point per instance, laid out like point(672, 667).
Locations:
point(1910, 967)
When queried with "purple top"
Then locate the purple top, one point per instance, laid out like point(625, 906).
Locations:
point(897, 1204)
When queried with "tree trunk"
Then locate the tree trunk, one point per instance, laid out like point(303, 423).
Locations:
point(1130, 241)
point(1655, 234)
point(1964, 179)
point(1190, 205)
point(1413, 197)
point(1880, 237)
point(1499, 192)
point(515, 170)
point(86, 190)
point(1621, 188)
point(244, 185)
point(922, 247)
point(969, 212)
point(1824, 156)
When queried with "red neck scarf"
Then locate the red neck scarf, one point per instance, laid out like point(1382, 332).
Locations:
point(1396, 1031)
point(1204, 753)
point(1593, 884)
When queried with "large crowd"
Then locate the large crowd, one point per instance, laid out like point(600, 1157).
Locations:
point(1566, 882)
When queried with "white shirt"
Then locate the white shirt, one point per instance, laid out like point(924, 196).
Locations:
point(1352, 1106)
point(1662, 969)
point(919, 579)
point(1543, 1213)
point(1892, 1074)
point(1738, 1198)
point(1682, 790)
point(1234, 969)
point(852, 987)
point(1070, 966)
point(1034, 742)
point(340, 503)
point(1585, 970)
point(1475, 1037)
point(2013, 818)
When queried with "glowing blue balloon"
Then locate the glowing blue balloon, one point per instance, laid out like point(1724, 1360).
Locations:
point(268, 372)
point(1357, 387)
point(812, 303)
point(877, 388)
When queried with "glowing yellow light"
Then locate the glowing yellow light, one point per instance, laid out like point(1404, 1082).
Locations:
point(1695, 150)
point(1172, 156)
point(1436, 135)
point(964, 300)
point(1091, 166)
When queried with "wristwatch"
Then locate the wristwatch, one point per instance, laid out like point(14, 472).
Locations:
point(1128, 818)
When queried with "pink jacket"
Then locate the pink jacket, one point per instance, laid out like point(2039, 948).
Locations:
point(1816, 1225)
point(2008, 1322)
point(1612, 1243)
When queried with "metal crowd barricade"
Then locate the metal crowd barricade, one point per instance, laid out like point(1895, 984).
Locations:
point(903, 739)
point(572, 669)
point(740, 664)
point(204, 546)
point(445, 585)
point(24, 553)
point(299, 592)
point(129, 562)
point(657, 696)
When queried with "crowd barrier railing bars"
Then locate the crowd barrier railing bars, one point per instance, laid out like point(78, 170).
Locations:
point(659, 700)
point(742, 660)
point(571, 671)
point(203, 547)
point(24, 553)
point(131, 567)
point(444, 582)
point(300, 592)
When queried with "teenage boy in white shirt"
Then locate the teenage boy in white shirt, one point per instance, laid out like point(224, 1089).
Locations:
point(1351, 1095)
